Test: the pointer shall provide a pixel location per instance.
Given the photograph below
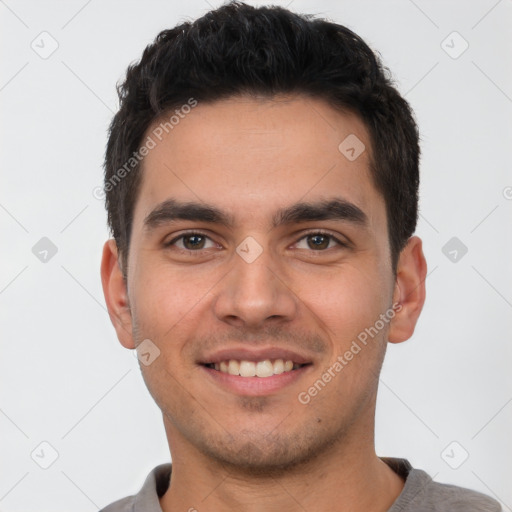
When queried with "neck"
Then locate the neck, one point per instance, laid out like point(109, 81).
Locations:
point(350, 477)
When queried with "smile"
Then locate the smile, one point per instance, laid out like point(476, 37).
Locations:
point(263, 369)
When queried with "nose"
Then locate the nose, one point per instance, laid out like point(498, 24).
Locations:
point(255, 293)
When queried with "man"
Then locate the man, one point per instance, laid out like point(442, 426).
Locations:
point(262, 187)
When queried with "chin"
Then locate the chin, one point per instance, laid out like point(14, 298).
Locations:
point(269, 455)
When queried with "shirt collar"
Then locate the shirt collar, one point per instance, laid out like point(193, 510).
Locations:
point(157, 483)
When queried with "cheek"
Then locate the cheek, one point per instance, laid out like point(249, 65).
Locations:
point(346, 299)
point(164, 297)
point(166, 309)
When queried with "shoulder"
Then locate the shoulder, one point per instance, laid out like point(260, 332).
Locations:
point(122, 505)
point(146, 500)
point(438, 497)
point(455, 499)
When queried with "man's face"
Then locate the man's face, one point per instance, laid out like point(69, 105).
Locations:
point(264, 286)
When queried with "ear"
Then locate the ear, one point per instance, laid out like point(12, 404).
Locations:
point(409, 293)
point(116, 296)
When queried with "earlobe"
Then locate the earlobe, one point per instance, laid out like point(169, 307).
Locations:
point(409, 293)
point(116, 295)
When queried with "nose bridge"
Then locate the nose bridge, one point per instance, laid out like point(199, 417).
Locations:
point(254, 290)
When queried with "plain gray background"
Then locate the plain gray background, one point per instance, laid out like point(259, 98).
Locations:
point(445, 396)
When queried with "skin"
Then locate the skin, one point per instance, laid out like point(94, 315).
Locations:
point(250, 157)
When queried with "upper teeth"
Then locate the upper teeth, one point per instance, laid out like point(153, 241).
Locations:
point(265, 368)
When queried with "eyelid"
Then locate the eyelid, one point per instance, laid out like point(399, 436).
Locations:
point(185, 233)
point(313, 231)
point(324, 232)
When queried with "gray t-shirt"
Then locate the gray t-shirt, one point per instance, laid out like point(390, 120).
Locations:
point(420, 493)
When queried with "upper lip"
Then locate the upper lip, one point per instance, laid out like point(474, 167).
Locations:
point(245, 354)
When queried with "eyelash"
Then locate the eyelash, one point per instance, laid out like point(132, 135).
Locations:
point(316, 232)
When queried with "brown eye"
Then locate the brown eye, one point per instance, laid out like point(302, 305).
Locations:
point(319, 241)
point(191, 242)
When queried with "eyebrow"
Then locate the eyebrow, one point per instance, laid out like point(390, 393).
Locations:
point(172, 210)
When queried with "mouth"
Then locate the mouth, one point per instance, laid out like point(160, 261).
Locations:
point(250, 372)
point(255, 371)
point(262, 369)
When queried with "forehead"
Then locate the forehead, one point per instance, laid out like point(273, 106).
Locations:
point(250, 156)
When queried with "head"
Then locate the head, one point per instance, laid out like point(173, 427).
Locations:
point(240, 49)
point(261, 180)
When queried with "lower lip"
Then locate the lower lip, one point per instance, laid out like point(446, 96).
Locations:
point(255, 386)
